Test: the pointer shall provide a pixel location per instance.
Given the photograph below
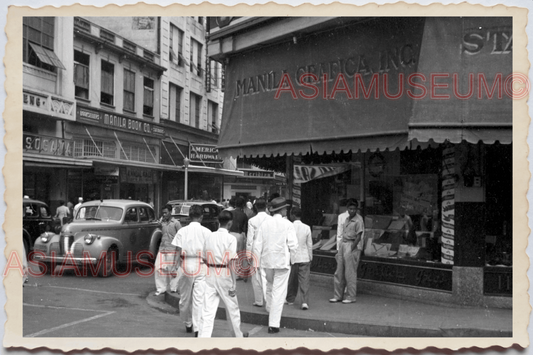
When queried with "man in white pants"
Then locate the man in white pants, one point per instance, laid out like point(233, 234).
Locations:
point(220, 256)
point(190, 241)
point(253, 225)
point(275, 238)
point(165, 266)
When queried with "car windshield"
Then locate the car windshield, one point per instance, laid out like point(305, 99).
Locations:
point(181, 209)
point(106, 213)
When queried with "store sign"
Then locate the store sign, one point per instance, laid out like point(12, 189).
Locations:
point(48, 145)
point(107, 171)
point(49, 105)
point(136, 175)
point(203, 153)
point(258, 174)
point(123, 123)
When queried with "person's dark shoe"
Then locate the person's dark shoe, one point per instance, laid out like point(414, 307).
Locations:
point(246, 280)
point(334, 300)
point(272, 330)
point(188, 329)
point(196, 334)
point(245, 334)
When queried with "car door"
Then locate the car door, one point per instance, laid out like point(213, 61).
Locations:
point(147, 225)
point(131, 235)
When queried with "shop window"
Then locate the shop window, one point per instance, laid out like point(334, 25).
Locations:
point(138, 153)
point(38, 43)
point(107, 82)
point(81, 75)
point(148, 99)
point(129, 90)
point(402, 204)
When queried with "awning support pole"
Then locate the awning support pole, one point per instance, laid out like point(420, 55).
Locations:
point(164, 146)
point(147, 146)
point(98, 149)
point(183, 156)
point(120, 144)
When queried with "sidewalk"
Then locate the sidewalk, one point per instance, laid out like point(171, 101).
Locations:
point(374, 315)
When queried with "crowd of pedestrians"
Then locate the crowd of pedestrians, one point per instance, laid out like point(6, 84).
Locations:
point(204, 266)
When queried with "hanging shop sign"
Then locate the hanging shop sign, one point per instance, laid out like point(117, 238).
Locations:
point(48, 145)
point(305, 173)
point(261, 174)
point(136, 175)
point(54, 106)
point(203, 153)
point(119, 122)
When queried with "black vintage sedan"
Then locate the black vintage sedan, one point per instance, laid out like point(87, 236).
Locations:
point(36, 219)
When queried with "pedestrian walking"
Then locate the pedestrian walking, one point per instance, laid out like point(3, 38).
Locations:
point(77, 206)
point(166, 270)
point(239, 229)
point(253, 226)
point(190, 242)
point(220, 254)
point(276, 237)
point(301, 261)
point(348, 256)
point(62, 212)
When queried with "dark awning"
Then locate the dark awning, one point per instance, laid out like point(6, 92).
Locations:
point(479, 51)
point(256, 123)
point(47, 56)
point(399, 56)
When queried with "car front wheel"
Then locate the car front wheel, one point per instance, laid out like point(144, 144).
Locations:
point(106, 265)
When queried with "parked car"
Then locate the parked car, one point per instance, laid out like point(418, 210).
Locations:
point(180, 211)
point(125, 230)
point(36, 220)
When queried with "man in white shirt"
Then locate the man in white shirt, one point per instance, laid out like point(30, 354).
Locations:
point(348, 257)
point(190, 241)
point(253, 225)
point(220, 255)
point(340, 225)
point(275, 239)
point(78, 205)
point(300, 260)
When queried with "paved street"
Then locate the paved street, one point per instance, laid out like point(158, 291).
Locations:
point(71, 306)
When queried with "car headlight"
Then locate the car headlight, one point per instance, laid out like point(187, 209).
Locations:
point(89, 238)
point(46, 236)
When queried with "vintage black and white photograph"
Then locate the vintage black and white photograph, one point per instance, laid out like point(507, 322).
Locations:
point(283, 177)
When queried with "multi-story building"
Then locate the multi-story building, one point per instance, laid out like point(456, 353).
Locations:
point(119, 109)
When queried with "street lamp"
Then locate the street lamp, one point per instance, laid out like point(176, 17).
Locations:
point(186, 162)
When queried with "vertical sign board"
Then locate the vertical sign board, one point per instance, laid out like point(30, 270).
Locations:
point(448, 205)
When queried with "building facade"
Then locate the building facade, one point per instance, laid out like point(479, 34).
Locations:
point(390, 112)
point(119, 109)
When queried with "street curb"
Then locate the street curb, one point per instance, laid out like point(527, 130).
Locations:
point(349, 328)
point(160, 303)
